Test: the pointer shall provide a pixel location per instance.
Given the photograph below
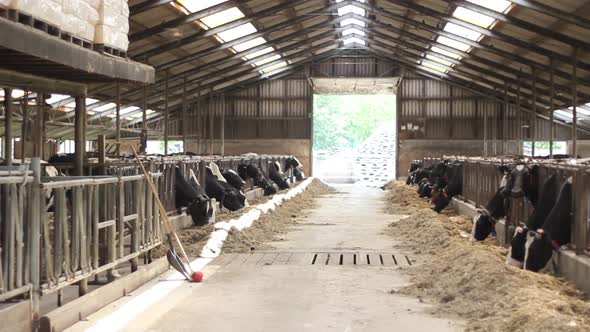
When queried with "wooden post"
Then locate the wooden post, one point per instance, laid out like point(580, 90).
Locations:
point(552, 110)
point(8, 127)
point(495, 130)
point(199, 118)
point(77, 218)
point(485, 128)
point(575, 105)
point(118, 118)
point(166, 115)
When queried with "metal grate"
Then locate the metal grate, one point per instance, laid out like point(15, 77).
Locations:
point(315, 259)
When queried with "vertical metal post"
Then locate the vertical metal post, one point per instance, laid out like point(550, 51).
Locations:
point(534, 114)
point(8, 126)
point(211, 124)
point(144, 134)
point(34, 217)
point(485, 128)
point(40, 132)
point(118, 118)
point(580, 209)
point(495, 130)
point(551, 110)
point(166, 117)
point(80, 140)
point(184, 117)
point(222, 134)
point(518, 119)
point(199, 118)
point(575, 105)
point(505, 121)
point(23, 132)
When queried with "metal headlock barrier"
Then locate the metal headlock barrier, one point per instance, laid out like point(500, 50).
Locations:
point(59, 231)
point(481, 180)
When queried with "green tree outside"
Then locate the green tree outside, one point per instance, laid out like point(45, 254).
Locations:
point(345, 121)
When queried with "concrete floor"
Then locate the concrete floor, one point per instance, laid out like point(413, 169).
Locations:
point(250, 294)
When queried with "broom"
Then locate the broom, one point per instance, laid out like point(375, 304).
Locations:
point(171, 255)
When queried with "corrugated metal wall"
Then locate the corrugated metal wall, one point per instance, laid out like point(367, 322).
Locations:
point(274, 109)
point(431, 109)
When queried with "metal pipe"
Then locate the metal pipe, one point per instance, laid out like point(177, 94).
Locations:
point(184, 116)
point(144, 131)
point(8, 126)
point(518, 119)
point(485, 128)
point(211, 114)
point(23, 132)
point(505, 121)
point(222, 149)
point(199, 121)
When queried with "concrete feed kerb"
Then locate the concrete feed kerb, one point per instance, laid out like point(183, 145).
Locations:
point(222, 229)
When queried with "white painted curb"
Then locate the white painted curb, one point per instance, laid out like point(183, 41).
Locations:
point(213, 247)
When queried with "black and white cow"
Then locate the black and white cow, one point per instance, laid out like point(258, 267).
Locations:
point(250, 171)
point(522, 181)
point(217, 187)
point(233, 179)
point(555, 232)
point(484, 223)
point(276, 175)
point(292, 163)
point(454, 174)
point(191, 195)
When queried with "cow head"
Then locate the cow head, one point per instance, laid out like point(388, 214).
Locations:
point(517, 249)
point(454, 186)
point(234, 199)
point(441, 201)
point(233, 179)
point(539, 249)
point(483, 226)
point(200, 210)
point(522, 181)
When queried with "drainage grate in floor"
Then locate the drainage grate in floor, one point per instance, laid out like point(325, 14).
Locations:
point(316, 259)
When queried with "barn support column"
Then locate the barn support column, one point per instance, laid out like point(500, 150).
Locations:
point(23, 136)
point(534, 114)
point(518, 119)
point(495, 130)
point(552, 110)
point(485, 128)
point(184, 116)
point(166, 115)
point(222, 133)
point(144, 132)
point(199, 118)
point(211, 124)
point(8, 127)
point(505, 121)
point(118, 118)
point(575, 105)
point(80, 139)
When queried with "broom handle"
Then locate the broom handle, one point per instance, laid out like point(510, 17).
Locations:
point(163, 213)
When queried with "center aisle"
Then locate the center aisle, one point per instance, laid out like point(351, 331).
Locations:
point(309, 282)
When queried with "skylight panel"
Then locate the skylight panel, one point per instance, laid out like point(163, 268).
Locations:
point(89, 101)
point(473, 17)
point(354, 40)
point(445, 52)
point(56, 98)
point(350, 21)
point(462, 31)
point(564, 114)
point(275, 67)
point(105, 107)
point(265, 61)
point(194, 6)
point(353, 31)
point(500, 6)
point(351, 9)
point(434, 67)
point(249, 44)
point(439, 60)
point(222, 17)
point(128, 110)
point(259, 53)
point(453, 43)
point(140, 115)
point(16, 93)
point(237, 32)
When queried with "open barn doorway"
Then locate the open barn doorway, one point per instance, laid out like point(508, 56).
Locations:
point(354, 131)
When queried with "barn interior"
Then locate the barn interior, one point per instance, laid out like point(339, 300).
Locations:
point(111, 85)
